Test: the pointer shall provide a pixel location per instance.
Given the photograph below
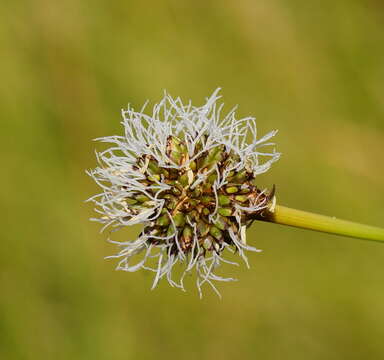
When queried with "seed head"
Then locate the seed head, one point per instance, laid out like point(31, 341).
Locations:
point(187, 174)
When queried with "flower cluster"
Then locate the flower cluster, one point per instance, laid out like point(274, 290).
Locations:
point(187, 174)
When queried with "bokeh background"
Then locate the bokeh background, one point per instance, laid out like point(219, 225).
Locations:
point(313, 70)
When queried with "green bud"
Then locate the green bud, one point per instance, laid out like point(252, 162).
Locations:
point(245, 190)
point(241, 198)
point(224, 200)
point(215, 232)
point(176, 156)
point(176, 150)
point(208, 241)
point(165, 172)
point(231, 189)
point(187, 234)
point(192, 165)
point(163, 220)
point(225, 211)
point(193, 202)
point(214, 155)
point(230, 174)
point(147, 204)
point(142, 198)
point(212, 178)
point(202, 228)
point(152, 165)
point(179, 219)
point(183, 149)
point(130, 201)
point(221, 223)
point(183, 180)
point(240, 177)
point(171, 205)
point(169, 196)
point(171, 201)
point(206, 199)
point(206, 211)
point(154, 178)
point(170, 230)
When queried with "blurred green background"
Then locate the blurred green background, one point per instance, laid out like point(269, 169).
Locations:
point(313, 70)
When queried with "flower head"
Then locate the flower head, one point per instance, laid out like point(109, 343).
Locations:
point(187, 174)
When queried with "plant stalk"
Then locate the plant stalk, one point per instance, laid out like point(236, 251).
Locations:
point(311, 221)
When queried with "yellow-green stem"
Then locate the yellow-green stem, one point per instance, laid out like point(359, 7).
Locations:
point(306, 220)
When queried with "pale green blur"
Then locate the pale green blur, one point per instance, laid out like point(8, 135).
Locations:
point(313, 70)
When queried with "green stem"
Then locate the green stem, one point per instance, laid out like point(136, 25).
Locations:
point(306, 220)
